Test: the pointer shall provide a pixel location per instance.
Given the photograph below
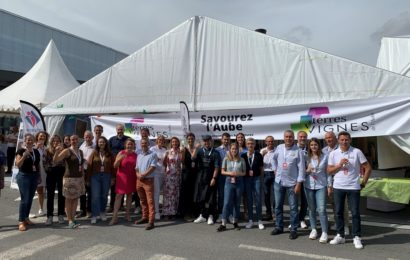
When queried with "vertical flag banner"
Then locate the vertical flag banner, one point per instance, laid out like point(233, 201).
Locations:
point(184, 117)
point(32, 119)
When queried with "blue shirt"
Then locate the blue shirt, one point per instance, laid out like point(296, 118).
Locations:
point(222, 150)
point(146, 160)
point(290, 165)
point(318, 179)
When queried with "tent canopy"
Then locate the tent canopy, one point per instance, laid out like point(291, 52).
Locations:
point(212, 65)
point(46, 81)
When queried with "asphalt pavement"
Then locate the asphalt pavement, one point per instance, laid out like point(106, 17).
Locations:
point(182, 240)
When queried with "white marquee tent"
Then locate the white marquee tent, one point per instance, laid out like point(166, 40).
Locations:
point(46, 81)
point(212, 65)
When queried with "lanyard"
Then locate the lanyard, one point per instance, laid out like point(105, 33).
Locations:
point(284, 152)
point(33, 157)
point(234, 165)
point(251, 159)
point(209, 154)
point(77, 155)
point(102, 158)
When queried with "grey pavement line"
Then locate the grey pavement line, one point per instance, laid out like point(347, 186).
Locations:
point(290, 253)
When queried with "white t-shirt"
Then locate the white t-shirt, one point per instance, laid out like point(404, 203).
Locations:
point(348, 177)
point(160, 152)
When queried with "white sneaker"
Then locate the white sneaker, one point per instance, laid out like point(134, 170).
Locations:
point(49, 221)
point(61, 219)
point(210, 220)
point(357, 242)
point(103, 216)
point(200, 219)
point(347, 232)
point(260, 225)
point(231, 219)
point(303, 225)
point(40, 213)
point(137, 210)
point(93, 220)
point(249, 225)
point(337, 240)
point(313, 234)
point(323, 238)
point(157, 216)
point(219, 220)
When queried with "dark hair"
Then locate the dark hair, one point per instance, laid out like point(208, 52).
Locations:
point(106, 148)
point(99, 126)
point(226, 135)
point(319, 152)
point(190, 134)
point(65, 146)
point(45, 133)
point(244, 141)
point(345, 134)
point(174, 138)
point(145, 129)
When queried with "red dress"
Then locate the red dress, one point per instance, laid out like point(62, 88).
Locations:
point(126, 179)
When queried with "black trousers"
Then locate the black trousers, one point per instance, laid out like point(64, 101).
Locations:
point(85, 200)
point(11, 153)
point(55, 180)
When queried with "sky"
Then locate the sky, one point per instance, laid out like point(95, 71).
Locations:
point(351, 28)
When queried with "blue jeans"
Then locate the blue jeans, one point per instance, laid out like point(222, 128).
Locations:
point(232, 198)
point(100, 185)
point(253, 188)
point(353, 197)
point(27, 183)
point(280, 192)
point(317, 202)
point(221, 192)
point(268, 180)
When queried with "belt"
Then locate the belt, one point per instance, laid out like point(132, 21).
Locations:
point(269, 171)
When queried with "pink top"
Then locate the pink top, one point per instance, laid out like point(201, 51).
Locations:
point(126, 178)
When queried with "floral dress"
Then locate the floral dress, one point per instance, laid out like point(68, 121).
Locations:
point(172, 182)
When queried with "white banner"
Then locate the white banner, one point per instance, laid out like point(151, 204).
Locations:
point(361, 118)
point(32, 119)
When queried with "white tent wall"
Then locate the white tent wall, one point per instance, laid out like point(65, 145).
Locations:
point(46, 81)
point(394, 55)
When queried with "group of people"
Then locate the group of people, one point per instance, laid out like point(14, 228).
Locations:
point(202, 183)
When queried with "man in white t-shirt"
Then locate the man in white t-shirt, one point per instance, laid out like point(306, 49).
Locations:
point(345, 163)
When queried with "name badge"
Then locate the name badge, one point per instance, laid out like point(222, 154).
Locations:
point(251, 173)
point(345, 171)
point(102, 169)
point(233, 180)
point(193, 164)
point(34, 168)
point(285, 165)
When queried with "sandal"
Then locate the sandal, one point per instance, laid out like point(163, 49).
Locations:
point(29, 222)
point(73, 225)
point(113, 221)
point(22, 226)
point(221, 228)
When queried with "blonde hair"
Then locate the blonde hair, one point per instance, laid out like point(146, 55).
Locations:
point(230, 156)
